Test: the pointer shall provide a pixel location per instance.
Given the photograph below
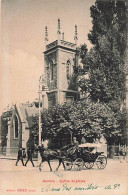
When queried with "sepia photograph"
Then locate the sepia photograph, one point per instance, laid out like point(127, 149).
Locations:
point(64, 97)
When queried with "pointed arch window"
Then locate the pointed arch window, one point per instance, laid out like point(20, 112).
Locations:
point(51, 71)
point(16, 133)
point(68, 69)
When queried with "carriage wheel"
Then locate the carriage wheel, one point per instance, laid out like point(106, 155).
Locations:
point(89, 165)
point(101, 162)
point(78, 164)
point(68, 164)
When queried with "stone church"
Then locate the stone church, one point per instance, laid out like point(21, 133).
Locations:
point(60, 57)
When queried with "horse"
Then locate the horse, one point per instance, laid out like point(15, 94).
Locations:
point(48, 154)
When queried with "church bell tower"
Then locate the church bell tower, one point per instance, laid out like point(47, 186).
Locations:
point(59, 59)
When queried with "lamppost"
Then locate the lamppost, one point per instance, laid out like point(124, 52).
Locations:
point(39, 113)
point(42, 96)
point(40, 91)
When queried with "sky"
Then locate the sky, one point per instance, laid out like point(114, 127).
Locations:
point(22, 42)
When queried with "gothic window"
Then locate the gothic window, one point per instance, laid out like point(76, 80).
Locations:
point(51, 71)
point(68, 69)
point(15, 127)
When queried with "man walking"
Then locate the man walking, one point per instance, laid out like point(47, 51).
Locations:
point(20, 157)
point(29, 155)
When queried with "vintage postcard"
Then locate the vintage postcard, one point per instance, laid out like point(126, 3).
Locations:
point(64, 97)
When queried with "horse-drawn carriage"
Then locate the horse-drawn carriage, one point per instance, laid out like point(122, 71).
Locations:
point(85, 155)
point(77, 156)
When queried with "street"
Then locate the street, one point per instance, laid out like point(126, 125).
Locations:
point(29, 180)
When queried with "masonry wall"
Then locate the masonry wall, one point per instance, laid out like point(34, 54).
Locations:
point(58, 57)
point(13, 143)
point(63, 57)
point(51, 58)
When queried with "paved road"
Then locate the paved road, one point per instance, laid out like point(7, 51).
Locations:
point(29, 180)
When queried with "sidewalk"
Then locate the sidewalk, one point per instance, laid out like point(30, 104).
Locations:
point(12, 157)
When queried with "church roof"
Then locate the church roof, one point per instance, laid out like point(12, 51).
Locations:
point(7, 113)
point(27, 110)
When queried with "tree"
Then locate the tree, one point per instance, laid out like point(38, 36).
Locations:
point(82, 118)
point(53, 122)
point(105, 62)
point(4, 132)
point(91, 119)
point(107, 58)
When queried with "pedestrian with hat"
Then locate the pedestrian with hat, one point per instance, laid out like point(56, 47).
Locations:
point(29, 157)
point(20, 157)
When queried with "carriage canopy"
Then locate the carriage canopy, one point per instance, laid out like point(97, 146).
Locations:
point(90, 145)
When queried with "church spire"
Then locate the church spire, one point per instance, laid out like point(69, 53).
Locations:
point(58, 30)
point(63, 36)
point(75, 37)
point(46, 36)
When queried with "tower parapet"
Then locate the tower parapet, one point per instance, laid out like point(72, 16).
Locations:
point(62, 44)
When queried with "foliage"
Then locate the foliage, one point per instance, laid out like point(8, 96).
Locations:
point(105, 62)
point(53, 121)
point(4, 131)
point(82, 118)
point(92, 119)
point(78, 70)
point(102, 75)
point(72, 83)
